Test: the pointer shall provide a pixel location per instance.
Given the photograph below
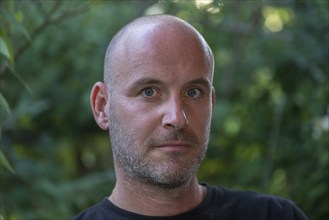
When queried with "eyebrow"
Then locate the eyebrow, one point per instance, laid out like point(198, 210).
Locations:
point(145, 81)
point(200, 81)
point(151, 81)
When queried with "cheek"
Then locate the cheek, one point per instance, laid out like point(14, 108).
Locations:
point(200, 120)
point(137, 118)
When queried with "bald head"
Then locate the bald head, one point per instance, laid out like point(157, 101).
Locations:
point(153, 35)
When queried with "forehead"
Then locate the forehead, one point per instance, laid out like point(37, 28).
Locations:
point(163, 51)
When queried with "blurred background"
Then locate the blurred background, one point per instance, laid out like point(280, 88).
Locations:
point(270, 123)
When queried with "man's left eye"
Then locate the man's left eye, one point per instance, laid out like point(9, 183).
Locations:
point(193, 93)
point(149, 92)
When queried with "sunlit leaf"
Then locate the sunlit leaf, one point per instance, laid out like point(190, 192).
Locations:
point(5, 47)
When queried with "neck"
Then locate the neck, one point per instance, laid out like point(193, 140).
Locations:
point(155, 201)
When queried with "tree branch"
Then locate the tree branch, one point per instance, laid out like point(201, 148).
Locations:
point(48, 20)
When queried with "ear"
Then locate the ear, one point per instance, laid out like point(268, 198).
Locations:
point(213, 98)
point(99, 103)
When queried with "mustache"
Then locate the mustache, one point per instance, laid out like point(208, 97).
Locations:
point(179, 135)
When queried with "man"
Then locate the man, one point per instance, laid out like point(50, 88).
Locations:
point(156, 101)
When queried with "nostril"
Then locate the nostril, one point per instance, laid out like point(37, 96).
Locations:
point(175, 127)
point(175, 121)
point(170, 126)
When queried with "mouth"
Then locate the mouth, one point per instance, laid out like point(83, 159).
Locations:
point(174, 146)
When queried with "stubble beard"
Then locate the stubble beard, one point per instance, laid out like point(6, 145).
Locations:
point(170, 172)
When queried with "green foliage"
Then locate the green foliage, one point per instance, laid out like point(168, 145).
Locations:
point(5, 162)
point(5, 47)
point(270, 123)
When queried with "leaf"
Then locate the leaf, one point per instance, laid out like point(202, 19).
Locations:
point(5, 47)
point(19, 17)
point(5, 163)
point(4, 104)
point(20, 78)
point(7, 51)
point(16, 20)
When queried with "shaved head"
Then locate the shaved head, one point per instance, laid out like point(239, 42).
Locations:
point(159, 31)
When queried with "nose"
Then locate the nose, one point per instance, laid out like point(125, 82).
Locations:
point(174, 115)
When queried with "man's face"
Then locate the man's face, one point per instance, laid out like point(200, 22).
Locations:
point(160, 111)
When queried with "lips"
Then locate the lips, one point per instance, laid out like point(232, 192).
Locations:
point(174, 146)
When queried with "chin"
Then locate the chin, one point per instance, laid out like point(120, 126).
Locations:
point(168, 184)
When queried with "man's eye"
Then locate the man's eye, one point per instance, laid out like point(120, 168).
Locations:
point(193, 93)
point(149, 92)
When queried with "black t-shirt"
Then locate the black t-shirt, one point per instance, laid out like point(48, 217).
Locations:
point(220, 204)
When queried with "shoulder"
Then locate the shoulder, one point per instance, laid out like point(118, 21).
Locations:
point(254, 205)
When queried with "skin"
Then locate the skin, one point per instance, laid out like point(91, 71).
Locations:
point(157, 105)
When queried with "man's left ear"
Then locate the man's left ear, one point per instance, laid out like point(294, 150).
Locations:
point(213, 98)
point(99, 102)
